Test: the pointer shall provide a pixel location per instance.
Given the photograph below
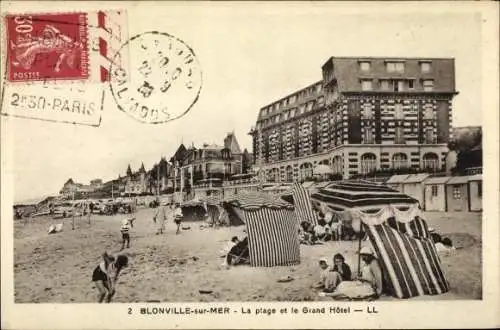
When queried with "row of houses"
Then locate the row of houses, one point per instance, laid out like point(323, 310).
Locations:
point(445, 193)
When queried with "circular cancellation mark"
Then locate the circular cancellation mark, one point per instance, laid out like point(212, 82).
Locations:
point(163, 79)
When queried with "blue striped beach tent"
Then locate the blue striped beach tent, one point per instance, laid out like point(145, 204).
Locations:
point(399, 236)
point(272, 228)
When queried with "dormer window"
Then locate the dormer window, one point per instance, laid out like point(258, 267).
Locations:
point(365, 66)
point(366, 85)
point(425, 67)
point(395, 67)
point(428, 85)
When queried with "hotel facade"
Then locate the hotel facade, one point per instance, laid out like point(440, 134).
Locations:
point(367, 114)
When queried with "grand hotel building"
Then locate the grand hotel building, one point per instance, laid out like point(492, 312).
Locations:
point(366, 114)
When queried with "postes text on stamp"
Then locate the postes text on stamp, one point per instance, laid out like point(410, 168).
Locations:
point(164, 80)
point(47, 47)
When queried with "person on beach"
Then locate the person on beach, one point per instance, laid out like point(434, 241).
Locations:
point(125, 230)
point(371, 272)
point(160, 218)
point(341, 267)
point(178, 217)
point(105, 275)
point(328, 280)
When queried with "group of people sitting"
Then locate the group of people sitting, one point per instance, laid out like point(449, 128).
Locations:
point(329, 228)
point(337, 280)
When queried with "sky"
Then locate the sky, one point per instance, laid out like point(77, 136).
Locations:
point(250, 55)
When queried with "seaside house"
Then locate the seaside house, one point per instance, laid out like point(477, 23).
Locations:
point(435, 193)
point(457, 194)
point(476, 192)
point(413, 186)
point(396, 181)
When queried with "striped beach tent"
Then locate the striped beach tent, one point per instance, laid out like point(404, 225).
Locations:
point(303, 205)
point(411, 265)
point(399, 236)
point(272, 228)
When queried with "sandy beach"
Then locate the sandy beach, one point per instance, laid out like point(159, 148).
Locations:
point(167, 268)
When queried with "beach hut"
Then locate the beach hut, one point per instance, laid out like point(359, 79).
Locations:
point(396, 181)
point(413, 186)
point(457, 194)
point(271, 226)
point(476, 192)
point(398, 235)
point(435, 193)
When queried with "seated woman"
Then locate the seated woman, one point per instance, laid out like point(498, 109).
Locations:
point(320, 230)
point(341, 267)
point(369, 285)
point(239, 253)
point(328, 280)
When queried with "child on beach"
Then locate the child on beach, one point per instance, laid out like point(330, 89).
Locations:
point(125, 230)
point(328, 280)
point(105, 275)
point(178, 217)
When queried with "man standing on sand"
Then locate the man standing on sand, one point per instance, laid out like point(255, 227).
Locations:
point(160, 218)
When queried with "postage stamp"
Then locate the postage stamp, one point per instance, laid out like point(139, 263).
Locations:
point(56, 64)
point(164, 80)
point(50, 46)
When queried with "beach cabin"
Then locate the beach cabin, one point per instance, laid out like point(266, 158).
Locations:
point(457, 194)
point(413, 186)
point(476, 192)
point(396, 181)
point(435, 193)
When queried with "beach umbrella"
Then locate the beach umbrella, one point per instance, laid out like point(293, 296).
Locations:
point(364, 196)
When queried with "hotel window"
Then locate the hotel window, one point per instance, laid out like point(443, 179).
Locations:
point(428, 85)
point(398, 112)
point(384, 85)
point(411, 84)
point(364, 66)
point(292, 112)
point(277, 119)
point(480, 189)
point(425, 66)
point(368, 135)
point(367, 111)
point(395, 67)
point(368, 163)
point(434, 190)
point(366, 85)
point(302, 109)
point(457, 194)
point(428, 112)
point(319, 88)
point(399, 160)
point(285, 115)
point(399, 136)
point(293, 98)
point(429, 135)
point(310, 106)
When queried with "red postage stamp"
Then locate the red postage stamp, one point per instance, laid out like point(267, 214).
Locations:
point(47, 47)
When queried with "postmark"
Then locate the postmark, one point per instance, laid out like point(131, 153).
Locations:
point(56, 64)
point(164, 80)
point(47, 46)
